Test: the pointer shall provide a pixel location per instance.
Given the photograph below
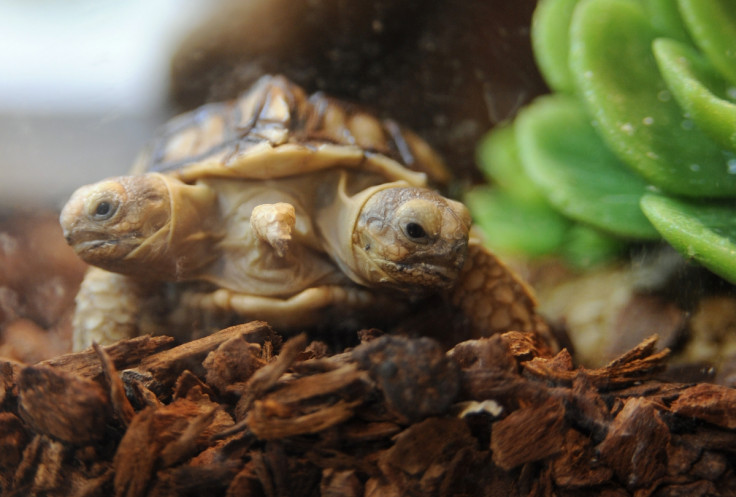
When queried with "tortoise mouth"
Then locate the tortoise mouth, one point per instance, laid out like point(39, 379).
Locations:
point(93, 246)
point(422, 276)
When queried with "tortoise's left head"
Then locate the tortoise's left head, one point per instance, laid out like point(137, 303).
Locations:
point(412, 239)
point(110, 222)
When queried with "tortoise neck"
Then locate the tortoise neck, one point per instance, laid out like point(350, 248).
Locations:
point(181, 248)
point(336, 223)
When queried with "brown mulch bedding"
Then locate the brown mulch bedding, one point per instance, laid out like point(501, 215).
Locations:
point(247, 412)
point(242, 413)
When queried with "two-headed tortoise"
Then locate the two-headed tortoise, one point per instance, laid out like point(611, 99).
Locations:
point(282, 207)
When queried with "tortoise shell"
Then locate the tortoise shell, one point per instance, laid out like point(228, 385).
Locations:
point(275, 130)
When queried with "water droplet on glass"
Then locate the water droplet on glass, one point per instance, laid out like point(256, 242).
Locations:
point(627, 128)
point(731, 166)
point(664, 96)
point(686, 124)
point(731, 92)
point(652, 155)
point(695, 167)
point(648, 121)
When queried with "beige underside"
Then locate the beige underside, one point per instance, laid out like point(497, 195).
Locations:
point(303, 310)
point(112, 307)
point(249, 263)
point(109, 306)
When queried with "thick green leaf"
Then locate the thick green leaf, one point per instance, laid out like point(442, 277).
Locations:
point(712, 24)
point(700, 91)
point(705, 232)
point(614, 68)
point(551, 42)
point(579, 175)
point(586, 247)
point(513, 226)
point(498, 158)
point(665, 18)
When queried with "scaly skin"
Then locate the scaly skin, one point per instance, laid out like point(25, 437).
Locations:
point(494, 299)
point(108, 307)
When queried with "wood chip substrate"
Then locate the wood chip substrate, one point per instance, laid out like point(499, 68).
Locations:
point(247, 412)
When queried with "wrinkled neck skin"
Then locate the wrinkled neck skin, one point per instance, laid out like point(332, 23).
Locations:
point(337, 222)
point(183, 246)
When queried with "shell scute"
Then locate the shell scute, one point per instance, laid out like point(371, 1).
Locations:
point(275, 130)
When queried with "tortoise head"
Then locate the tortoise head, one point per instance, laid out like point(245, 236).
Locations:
point(137, 225)
point(411, 238)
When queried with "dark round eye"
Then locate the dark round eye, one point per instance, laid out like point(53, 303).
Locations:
point(415, 230)
point(103, 210)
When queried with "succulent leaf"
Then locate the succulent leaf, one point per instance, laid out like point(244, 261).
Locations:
point(639, 139)
point(702, 231)
point(612, 61)
point(704, 95)
point(712, 24)
point(564, 156)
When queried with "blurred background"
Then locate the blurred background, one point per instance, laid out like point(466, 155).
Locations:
point(83, 84)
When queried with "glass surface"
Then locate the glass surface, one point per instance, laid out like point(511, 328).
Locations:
point(82, 85)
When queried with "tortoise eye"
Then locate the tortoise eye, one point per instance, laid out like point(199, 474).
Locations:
point(415, 230)
point(419, 220)
point(103, 210)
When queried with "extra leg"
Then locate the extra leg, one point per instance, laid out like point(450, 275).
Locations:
point(274, 224)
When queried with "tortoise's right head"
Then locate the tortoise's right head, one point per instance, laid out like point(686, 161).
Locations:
point(117, 222)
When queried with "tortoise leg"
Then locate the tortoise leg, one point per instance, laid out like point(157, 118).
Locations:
point(494, 299)
point(274, 224)
point(107, 309)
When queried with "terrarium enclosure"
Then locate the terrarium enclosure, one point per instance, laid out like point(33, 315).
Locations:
point(592, 142)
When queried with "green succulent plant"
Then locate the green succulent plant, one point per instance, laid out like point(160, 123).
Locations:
point(637, 140)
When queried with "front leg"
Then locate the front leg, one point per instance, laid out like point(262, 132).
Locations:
point(494, 299)
point(108, 308)
point(274, 224)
